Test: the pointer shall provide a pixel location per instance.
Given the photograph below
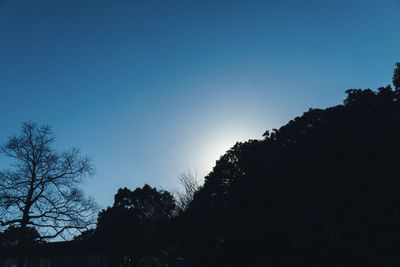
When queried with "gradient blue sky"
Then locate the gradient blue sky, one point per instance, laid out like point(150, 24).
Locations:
point(151, 88)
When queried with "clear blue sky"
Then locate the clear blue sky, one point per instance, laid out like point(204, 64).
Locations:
point(150, 88)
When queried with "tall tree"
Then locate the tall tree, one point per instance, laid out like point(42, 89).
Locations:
point(396, 76)
point(135, 228)
point(40, 189)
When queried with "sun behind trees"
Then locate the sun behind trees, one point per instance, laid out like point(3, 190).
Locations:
point(40, 190)
point(322, 190)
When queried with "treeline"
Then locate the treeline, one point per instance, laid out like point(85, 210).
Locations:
point(323, 190)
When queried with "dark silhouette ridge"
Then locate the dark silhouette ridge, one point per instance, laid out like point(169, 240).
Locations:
point(323, 190)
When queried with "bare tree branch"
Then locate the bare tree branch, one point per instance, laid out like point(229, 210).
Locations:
point(40, 190)
point(190, 185)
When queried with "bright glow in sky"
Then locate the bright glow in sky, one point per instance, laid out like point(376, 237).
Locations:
point(151, 88)
point(216, 142)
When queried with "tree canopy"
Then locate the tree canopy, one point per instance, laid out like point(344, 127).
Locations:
point(322, 190)
point(40, 189)
point(136, 225)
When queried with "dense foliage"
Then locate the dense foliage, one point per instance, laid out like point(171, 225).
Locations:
point(134, 228)
point(323, 190)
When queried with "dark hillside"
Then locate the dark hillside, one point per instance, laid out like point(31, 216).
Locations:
point(323, 190)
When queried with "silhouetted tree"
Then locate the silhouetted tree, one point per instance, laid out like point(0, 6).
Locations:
point(40, 190)
point(396, 77)
point(135, 227)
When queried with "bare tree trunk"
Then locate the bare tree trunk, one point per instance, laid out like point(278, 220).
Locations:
point(22, 231)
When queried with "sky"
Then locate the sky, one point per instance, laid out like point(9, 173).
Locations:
point(149, 89)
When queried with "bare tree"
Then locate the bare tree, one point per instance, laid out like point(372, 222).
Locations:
point(40, 189)
point(190, 185)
